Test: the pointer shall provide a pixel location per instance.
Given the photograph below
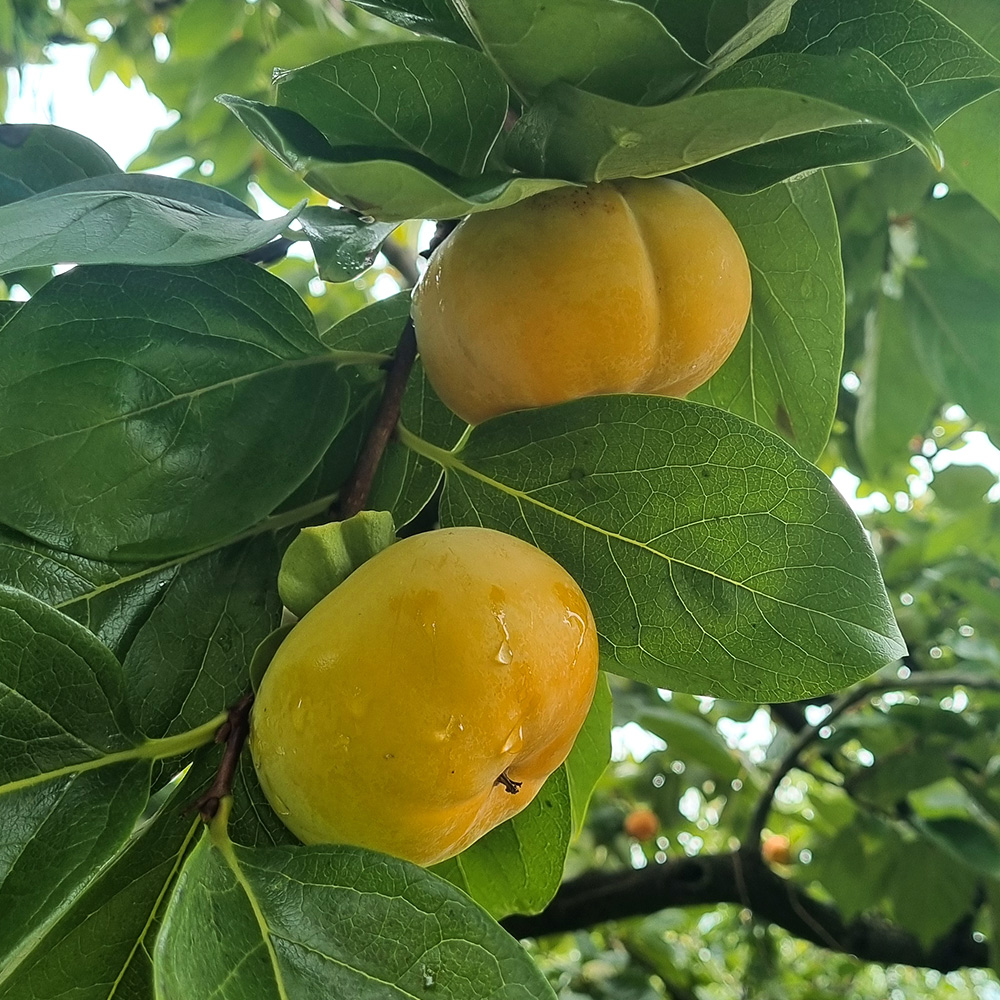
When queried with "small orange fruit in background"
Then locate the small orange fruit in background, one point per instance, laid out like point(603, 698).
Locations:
point(428, 697)
point(643, 824)
point(625, 286)
point(776, 850)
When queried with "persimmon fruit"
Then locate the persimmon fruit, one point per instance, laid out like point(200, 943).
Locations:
point(624, 286)
point(642, 824)
point(428, 697)
point(776, 850)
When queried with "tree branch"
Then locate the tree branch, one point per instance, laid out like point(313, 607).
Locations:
point(233, 732)
point(354, 496)
point(855, 696)
point(745, 880)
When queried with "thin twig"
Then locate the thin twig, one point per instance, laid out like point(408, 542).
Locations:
point(811, 734)
point(354, 496)
point(402, 261)
point(355, 493)
point(233, 732)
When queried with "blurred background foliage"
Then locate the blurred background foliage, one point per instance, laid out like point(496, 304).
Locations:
point(896, 808)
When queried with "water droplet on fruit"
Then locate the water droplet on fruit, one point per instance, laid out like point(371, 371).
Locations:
point(279, 805)
point(504, 655)
point(515, 740)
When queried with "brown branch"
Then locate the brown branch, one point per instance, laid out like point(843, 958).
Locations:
point(354, 496)
point(855, 696)
point(402, 261)
point(355, 493)
point(233, 732)
point(743, 880)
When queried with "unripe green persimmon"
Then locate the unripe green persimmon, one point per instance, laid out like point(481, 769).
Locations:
point(625, 286)
point(428, 697)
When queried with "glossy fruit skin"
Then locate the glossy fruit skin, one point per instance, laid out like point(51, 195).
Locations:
point(392, 708)
point(625, 286)
point(643, 824)
point(776, 850)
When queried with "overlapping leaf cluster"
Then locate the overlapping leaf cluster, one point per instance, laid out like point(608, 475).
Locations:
point(170, 412)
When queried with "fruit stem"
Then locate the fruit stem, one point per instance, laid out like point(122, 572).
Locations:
point(233, 732)
point(509, 785)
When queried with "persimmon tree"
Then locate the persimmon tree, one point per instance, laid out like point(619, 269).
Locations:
point(177, 406)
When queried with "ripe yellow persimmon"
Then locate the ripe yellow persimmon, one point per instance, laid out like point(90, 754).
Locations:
point(428, 697)
point(624, 286)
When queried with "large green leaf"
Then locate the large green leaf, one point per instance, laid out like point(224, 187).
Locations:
point(189, 659)
point(896, 401)
point(130, 219)
point(70, 793)
point(953, 304)
point(297, 921)
point(942, 66)
point(583, 137)
point(178, 407)
point(103, 941)
point(372, 183)
point(785, 371)
point(591, 752)
point(614, 48)
point(440, 101)
point(716, 560)
point(35, 158)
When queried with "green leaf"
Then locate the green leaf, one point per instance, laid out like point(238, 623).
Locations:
point(785, 371)
point(61, 685)
point(715, 559)
point(264, 653)
point(343, 244)
point(618, 50)
point(106, 935)
point(434, 17)
point(759, 167)
point(772, 20)
point(59, 834)
point(963, 487)
point(965, 841)
point(518, 865)
point(69, 795)
point(582, 137)
point(692, 739)
point(339, 921)
point(431, 98)
point(929, 891)
point(371, 183)
point(112, 220)
point(971, 143)
point(943, 68)
point(185, 404)
point(35, 158)
point(190, 658)
point(591, 752)
point(953, 304)
point(895, 401)
point(324, 556)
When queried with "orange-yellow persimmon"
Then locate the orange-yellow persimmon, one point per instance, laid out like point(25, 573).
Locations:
point(776, 850)
point(428, 697)
point(625, 286)
point(642, 823)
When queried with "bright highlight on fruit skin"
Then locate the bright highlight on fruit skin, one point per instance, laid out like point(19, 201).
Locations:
point(428, 697)
point(626, 286)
